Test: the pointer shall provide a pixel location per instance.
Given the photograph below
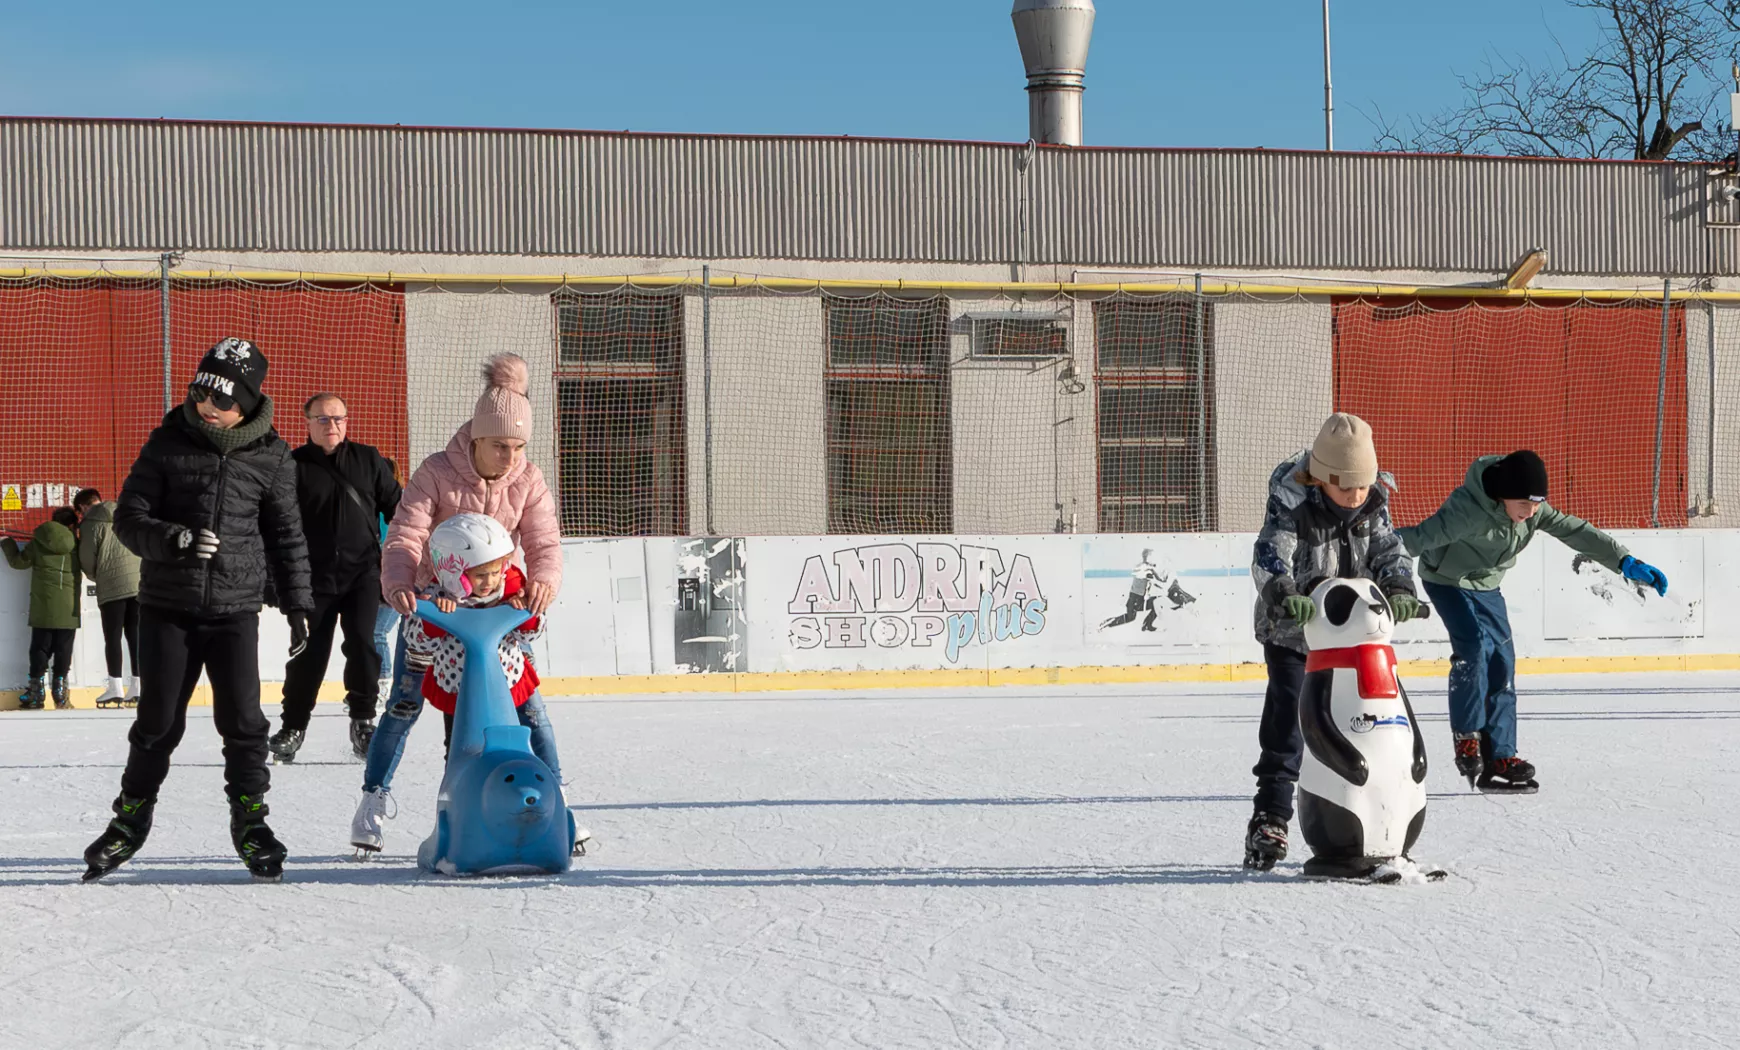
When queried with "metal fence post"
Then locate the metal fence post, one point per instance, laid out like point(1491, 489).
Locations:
point(164, 262)
point(707, 387)
point(1202, 517)
point(1661, 400)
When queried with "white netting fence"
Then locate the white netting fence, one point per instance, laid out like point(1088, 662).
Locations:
point(678, 411)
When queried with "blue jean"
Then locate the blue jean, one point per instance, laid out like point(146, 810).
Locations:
point(1482, 665)
point(386, 623)
point(406, 703)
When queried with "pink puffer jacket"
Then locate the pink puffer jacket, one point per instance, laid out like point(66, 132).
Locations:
point(447, 484)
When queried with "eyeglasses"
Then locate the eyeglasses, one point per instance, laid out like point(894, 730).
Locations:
point(328, 421)
point(220, 401)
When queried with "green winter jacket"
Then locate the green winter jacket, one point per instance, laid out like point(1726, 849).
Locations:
point(113, 567)
point(54, 575)
point(1471, 542)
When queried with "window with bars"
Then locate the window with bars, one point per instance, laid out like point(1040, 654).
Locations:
point(1155, 384)
point(619, 408)
point(890, 468)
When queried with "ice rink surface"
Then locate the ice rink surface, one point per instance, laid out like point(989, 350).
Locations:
point(988, 868)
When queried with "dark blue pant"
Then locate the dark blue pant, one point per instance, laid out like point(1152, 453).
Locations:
point(1482, 665)
point(1277, 768)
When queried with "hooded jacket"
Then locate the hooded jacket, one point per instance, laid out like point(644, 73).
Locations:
point(103, 557)
point(1471, 542)
point(182, 483)
point(447, 484)
point(54, 575)
point(1304, 541)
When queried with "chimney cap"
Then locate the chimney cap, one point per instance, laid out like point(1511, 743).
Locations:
point(1053, 34)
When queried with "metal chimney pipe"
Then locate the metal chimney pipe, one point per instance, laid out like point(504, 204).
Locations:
point(1054, 37)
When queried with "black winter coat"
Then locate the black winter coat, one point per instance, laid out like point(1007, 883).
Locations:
point(344, 534)
point(182, 482)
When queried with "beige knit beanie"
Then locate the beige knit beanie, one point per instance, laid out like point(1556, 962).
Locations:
point(1343, 453)
point(504, 410)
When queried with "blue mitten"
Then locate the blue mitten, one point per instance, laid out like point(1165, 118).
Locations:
point(1644, 573)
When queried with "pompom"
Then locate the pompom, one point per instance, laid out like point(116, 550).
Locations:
point(510, 371)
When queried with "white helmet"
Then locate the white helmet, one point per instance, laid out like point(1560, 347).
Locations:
point(462, 542)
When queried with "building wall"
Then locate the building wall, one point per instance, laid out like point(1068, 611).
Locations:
point(1018, 453)
point(175, 185)
point(769, 415)
point(448, 337)
point(1274, 386)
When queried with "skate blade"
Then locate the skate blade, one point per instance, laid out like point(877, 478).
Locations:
point(1511, 789)
point(283, 760)
point(262, 877)
point(93, 873)
point(580, 843)
point(364, 854)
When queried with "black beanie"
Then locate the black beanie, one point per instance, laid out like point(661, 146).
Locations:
point(1520, 475)
point(234, 367)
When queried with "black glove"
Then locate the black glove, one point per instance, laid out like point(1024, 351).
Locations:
point(298, 631)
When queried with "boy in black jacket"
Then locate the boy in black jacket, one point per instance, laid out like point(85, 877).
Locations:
point(210, 507)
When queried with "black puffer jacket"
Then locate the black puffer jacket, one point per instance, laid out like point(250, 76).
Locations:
point(182, 483)
point(344, 532)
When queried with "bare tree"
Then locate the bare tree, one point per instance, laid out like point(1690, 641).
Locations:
point(1642, 91)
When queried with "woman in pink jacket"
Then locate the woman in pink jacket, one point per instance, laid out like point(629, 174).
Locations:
point(483, 470)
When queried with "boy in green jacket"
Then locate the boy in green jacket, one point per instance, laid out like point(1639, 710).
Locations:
point(1464, 551)
point(54, 603)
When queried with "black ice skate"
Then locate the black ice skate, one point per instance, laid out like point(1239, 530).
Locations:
point(1507, 776)
point(362, 730)
point(122, 838)
point(259, 849)
point(1468, 759)
point(285, 743)
point(31, 698)
point(1265, 841)
point(62, 694)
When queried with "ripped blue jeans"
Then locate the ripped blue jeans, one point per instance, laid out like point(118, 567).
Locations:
point(405, 703)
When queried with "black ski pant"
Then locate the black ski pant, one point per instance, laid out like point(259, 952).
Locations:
point(174, 648)
point(51, 643)
point(1277, 768)
point(353, 612)
point(120, 620)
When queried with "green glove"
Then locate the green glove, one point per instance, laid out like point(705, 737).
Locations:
point(1404, 607)
point(1300, 608)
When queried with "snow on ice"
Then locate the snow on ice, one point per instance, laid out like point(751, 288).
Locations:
point(991, 868)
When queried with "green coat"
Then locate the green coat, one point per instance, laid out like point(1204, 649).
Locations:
point(54, 574)
point(113, 567)
point(1471, 542)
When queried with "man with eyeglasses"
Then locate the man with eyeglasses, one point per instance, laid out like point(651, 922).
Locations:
point(210, 509)
point(343, 487)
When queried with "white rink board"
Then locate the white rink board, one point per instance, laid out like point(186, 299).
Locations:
point(846, 603)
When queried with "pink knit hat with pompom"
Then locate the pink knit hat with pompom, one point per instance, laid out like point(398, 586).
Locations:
point(504, 410)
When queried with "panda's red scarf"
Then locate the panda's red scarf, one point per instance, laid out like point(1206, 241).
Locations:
point(1375, 665)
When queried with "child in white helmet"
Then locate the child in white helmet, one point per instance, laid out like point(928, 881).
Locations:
point(473, 556)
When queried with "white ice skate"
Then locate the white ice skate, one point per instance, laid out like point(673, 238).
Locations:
point(582, 835)
point(130, 698)
point(365, 827)
point(114, 693)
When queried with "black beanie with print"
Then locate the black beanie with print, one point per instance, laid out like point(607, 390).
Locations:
point(234, 367)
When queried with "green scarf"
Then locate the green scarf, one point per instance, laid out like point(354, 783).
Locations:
point(239, 436)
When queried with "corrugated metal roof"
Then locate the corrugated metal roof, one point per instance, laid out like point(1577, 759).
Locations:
point(153, 185)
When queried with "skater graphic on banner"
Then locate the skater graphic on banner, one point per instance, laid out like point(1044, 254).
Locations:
point(1148, 584)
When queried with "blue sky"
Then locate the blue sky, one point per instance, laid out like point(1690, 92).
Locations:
point(1161, 72)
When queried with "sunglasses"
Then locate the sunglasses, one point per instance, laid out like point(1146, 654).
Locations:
point(221, 401)
point(329, 421)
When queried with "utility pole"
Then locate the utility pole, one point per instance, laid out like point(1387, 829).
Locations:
point(1328, 90)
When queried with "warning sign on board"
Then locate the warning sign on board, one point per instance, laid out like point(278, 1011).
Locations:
point(11, 497)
